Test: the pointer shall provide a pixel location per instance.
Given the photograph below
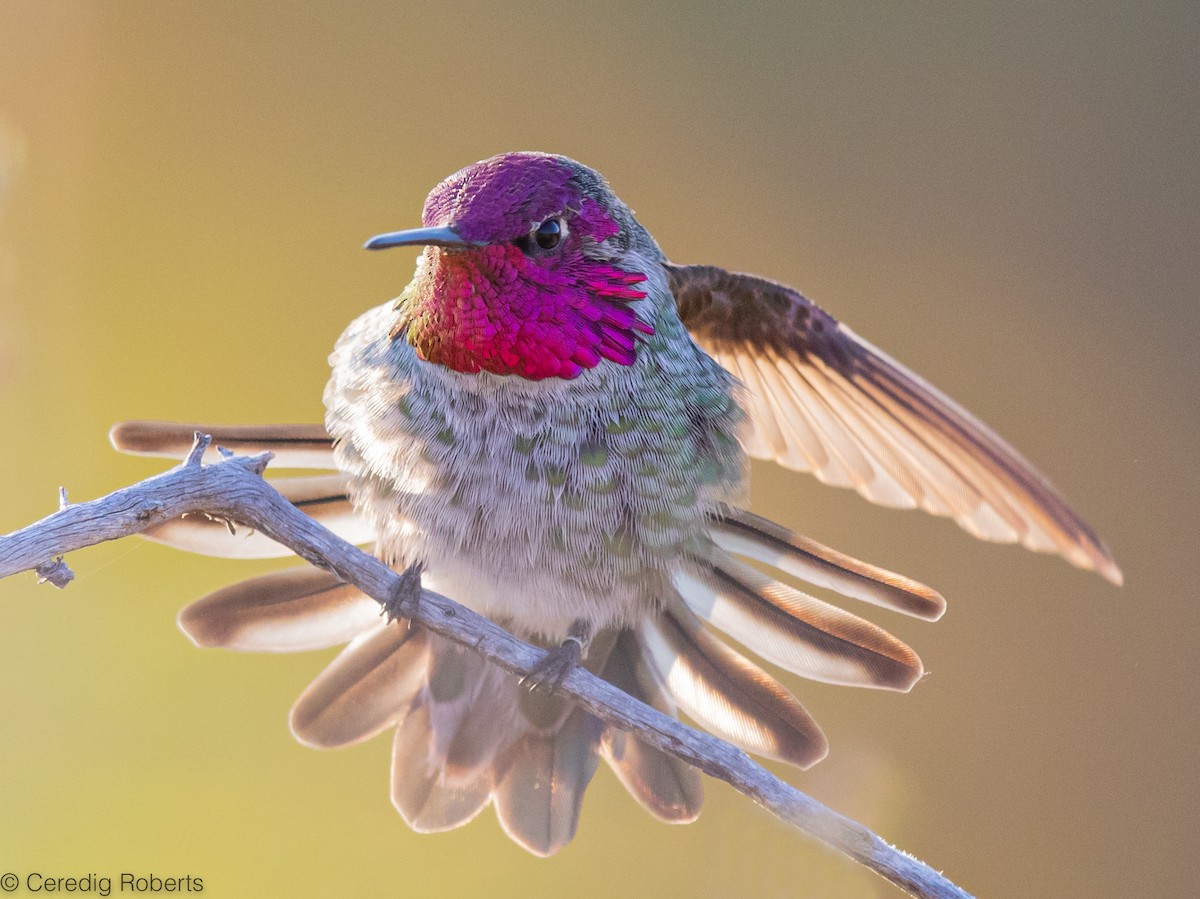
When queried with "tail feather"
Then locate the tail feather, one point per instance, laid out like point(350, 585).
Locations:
point(367, 688)
point(472, 731)
point(323, 498)
point(540, 795)
point(472, 708)
point(426, 801)
point(726, 693)
point(288, 611)
point(792, 629)
point(294, 446)
point(750, 535)
point(668, 788)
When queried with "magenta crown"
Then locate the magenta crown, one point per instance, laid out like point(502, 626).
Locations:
point(500, 198)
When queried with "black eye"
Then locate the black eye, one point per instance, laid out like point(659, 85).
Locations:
point(548, 234)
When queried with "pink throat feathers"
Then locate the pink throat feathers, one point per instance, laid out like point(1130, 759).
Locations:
point(500, 309)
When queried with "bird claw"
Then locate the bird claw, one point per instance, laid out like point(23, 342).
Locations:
point(551, 671)
point(406, 596)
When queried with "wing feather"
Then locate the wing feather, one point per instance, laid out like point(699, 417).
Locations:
point(822, 399)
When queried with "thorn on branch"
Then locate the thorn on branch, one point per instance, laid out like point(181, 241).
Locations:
point(225, 452)
point(62, 498)
point(196, 453)
point(258, 464)
point(56, 572)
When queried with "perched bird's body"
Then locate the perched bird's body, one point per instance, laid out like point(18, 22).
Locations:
point(539, 502)
point(551, 424)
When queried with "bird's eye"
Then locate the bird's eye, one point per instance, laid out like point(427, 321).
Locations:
point(548, 234)
point(544, 238)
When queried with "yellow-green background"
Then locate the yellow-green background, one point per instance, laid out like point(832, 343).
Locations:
point(1004, 196)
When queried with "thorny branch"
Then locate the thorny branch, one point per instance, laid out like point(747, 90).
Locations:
point(234, 489)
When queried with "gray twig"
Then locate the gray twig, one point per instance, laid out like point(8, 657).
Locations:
point(234, 489)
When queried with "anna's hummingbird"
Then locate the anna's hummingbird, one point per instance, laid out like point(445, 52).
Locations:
point(552, 423)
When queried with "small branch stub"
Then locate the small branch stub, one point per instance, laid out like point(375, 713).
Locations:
point(196, 453)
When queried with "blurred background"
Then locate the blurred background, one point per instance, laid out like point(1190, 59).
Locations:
point(1004, 196)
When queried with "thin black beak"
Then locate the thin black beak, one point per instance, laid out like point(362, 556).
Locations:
point(434, 237)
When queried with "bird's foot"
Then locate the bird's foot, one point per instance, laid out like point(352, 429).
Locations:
point(550, 672)
point(406, 596)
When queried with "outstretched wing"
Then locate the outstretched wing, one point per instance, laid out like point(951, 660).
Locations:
point(822, 399)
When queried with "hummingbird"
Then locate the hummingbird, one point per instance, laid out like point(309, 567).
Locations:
point(551, 425)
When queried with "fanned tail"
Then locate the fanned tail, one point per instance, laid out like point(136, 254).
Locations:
point(467, 735)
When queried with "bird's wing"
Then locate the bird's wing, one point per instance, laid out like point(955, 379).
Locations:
point(822, 399)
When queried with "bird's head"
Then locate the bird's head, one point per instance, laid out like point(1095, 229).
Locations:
point(528, 270)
